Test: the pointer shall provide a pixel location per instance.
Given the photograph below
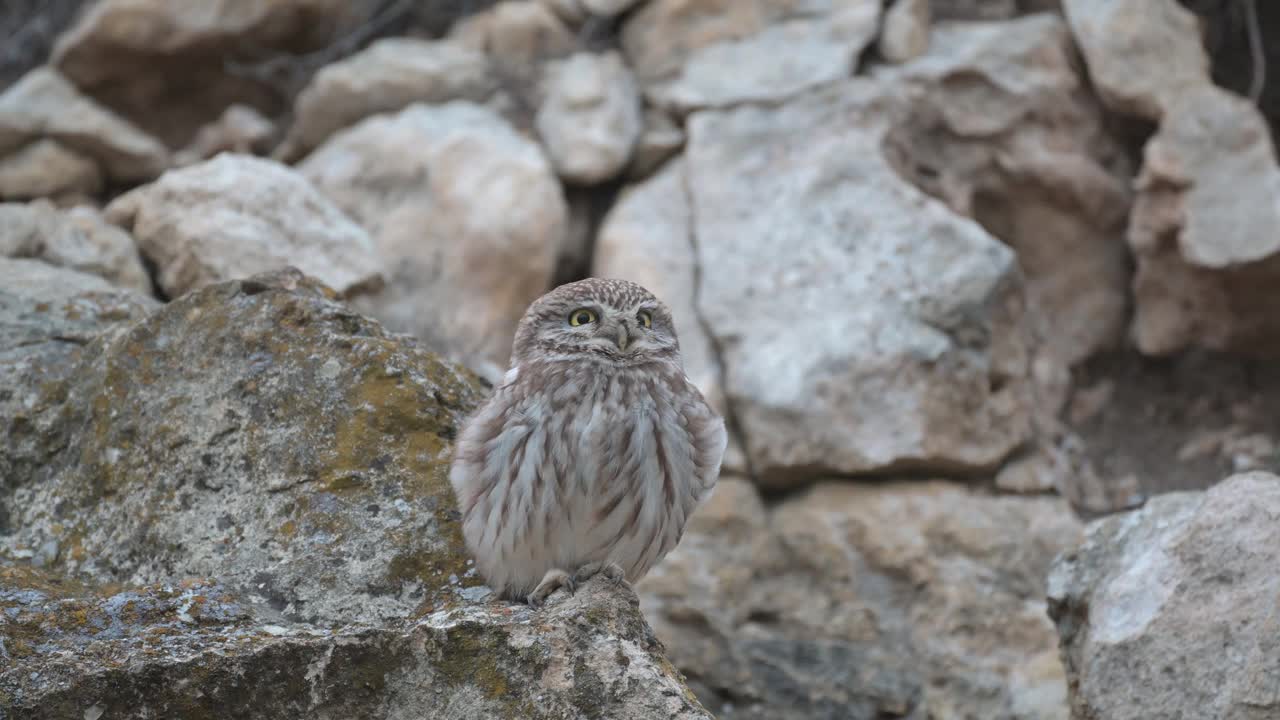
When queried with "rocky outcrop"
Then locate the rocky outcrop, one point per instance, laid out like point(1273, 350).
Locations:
point(914, 600)
point(237, 215)
point(589, 120)
point(464, 212)
point(1170, 611)
point(78, 239)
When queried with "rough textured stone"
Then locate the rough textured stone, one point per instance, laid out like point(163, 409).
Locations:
point(47, 315)
point(906, 31)
point(240, 129)
point(43, 104)
point(713, 54)
point(236, 215)
point(517, 35)
point(465, 213)
point(389, 75)
point(77, 238)
point(589, 119)
point(1170, 611)
point(888, 333)
point(209, 59)
point(661, 138)
point(46, 167)
point(608, 8)
point(912, 600)
point(1142, 54)
point(1204, 230)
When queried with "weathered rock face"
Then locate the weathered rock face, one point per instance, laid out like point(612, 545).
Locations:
point(1170, 611)
point(389, 75)
point(886, 333)
point(912, 600)
point(44, 105)
point(47, 315)
point(116, 48)
point(465, 213)
point(236, 215)
point(77, 238)
point(46, 168)
point(905, 35)
point(716, 53)
point(240, 129)
point(589, 119)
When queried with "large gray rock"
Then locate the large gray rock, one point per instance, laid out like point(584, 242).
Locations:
point(46, 168)
point(864, 327)
point(1170, 611)
point(237, 215)
point(77, 238)
point(908, 600)
point(589, 119)
point(466, 214)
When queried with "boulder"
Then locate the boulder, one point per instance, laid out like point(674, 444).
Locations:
point(904, 599)
point(240, 129)
point(660, 139)
point(387, 76)
point(1170, 611)
point(906, 31)
point(517, 35)
point(237, 215)
point(589, 119)
point(863, 326)
point(466, 214)
point(44, 168)
point(77, 238)
point(43, 104)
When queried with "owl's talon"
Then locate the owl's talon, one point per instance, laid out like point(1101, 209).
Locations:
point(612, 571)
point(552, 581)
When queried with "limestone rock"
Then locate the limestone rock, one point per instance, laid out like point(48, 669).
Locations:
point(235, 216)
point(906, 31)
point(608, 8)
point(43, 104)
point(660, 139)
point(590, 118)
point(1204, 230)
point(713, 54)
point(170, 70)
point(863, 326)
point(914, 600)
point(1150, 596)
point(517, 35)
point(1142, 54)
point(240, 129)
point(47, 168)
point(466, 214)
point(990, 9)
point(78, 239)
point(389, 75)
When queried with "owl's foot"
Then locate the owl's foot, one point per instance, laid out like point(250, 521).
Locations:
point(612, 571)
point(552, 581)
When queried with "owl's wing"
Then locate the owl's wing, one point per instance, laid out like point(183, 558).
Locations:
point(708, 439)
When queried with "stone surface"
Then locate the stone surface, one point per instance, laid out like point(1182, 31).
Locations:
point(905, 35)
point(78, 239)
point(43, 104)
point(466, 214)
point(1204, 230)
point(389, 75)
point(46, 167)
point(608, 8)
point(888, 333)
point(713, 54)
point(47, 316)
point(240, 129)
point(1150, 596)
point(236, 215)
point(913, 600)
point(517, 35)
point(1142, 54)
point(589, 120)
point(661, 138)
point(227, 53)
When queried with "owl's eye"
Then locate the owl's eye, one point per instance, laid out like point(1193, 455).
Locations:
point(581, 316)
point(645, 318)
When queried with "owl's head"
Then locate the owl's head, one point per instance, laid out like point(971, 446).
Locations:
point(606, 319)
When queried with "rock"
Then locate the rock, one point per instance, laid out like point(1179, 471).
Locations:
point(78, 239)
point(517, 35)
point(1204, 230)
point(464, 211)
point(990, 9)
point(912, 600)
point(906, 31)
point(46, 168)
point(889, 333)
point(47, 315)
point(389, 75)
point(231, 52)
point(700, 55)
point(1142, 54)
point(589, 119)
point(236, 215)
point(192, 649)
point(661, 138)
point(240, 129)
point(43, 104)
point(645, 239)
point(1150, 595)
point(608, 8)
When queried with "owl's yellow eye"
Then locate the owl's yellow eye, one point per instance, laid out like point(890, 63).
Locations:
point(645, 318)
point(581, 316)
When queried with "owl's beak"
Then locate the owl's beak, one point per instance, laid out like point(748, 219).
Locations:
point(622, 338)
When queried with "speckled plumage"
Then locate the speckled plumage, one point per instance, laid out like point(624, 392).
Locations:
point(592, 452)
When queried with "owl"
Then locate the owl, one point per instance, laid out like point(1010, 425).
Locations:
point(592, 452)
